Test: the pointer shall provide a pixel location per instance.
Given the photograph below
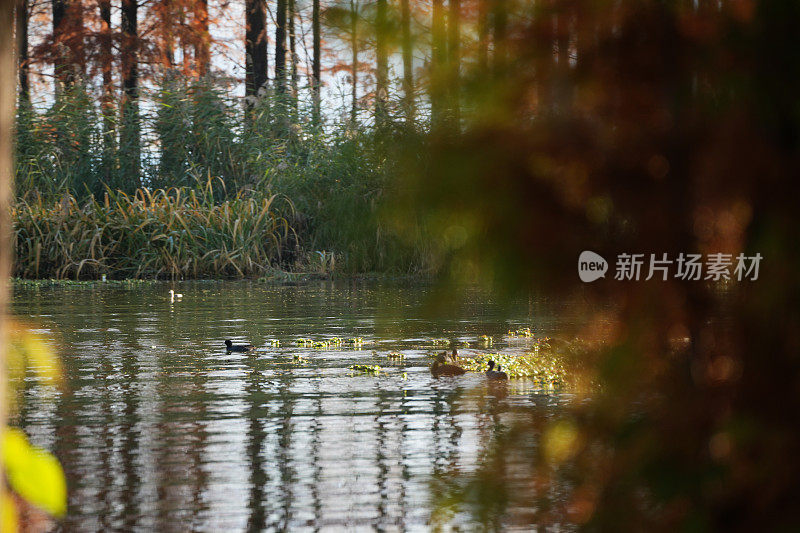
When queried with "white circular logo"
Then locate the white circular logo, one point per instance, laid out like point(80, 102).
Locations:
point(591, 266)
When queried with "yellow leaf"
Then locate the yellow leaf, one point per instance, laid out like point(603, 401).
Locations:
point(33, 473)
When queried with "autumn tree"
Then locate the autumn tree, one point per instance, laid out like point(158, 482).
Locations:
point(202, 38)
point(67, 41)
point(106, 37)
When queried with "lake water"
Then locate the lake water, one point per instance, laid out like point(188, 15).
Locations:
point(161, 430)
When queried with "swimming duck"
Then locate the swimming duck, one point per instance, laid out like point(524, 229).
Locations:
point(495, 374)
point(230, 347)
point(441, 367)
point(174, 295)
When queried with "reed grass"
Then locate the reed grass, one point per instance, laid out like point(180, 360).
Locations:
point(338, 177)
point(164, 233)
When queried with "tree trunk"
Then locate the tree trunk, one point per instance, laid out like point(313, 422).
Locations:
point(499, 23)
point(7, 81)
point(354, 63)
point(107, 99)
point(255, 47)
point(202, 47)
point(316, 65)
point(454, 61)
point(183, 38)
point(280, 47)
point(382, 64)
point(165, 11)
point(438, 56)
point(483, 35)
point(408, 62)
point(560, 87)
point(22, 50)
point(130, 94)
point(292, 49)
point(59, 66)
point(68, 34)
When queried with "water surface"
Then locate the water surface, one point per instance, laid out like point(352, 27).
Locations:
point(160, 429)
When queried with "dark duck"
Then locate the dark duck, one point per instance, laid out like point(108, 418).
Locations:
point(495, 374)
point(238, 348)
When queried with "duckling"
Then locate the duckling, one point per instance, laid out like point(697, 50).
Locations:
point(174, 295)
point(495, 374)
point(240, 348)
point(440, 367)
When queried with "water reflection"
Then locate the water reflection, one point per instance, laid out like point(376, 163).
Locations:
point(162, 430)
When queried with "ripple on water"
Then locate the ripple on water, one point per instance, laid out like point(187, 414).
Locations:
point(161, 429)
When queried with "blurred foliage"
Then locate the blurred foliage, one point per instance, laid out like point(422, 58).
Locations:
point(671, 127)
point(28, 351)
point(34, 475)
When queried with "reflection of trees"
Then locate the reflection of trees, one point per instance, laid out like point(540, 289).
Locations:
point(381, 456)
point(255, 443)
point(403, 446)
point(180, 439)
point(285, 468)
point(107, 433)
point(316, 443)
point(129, 450)
point(147, 412)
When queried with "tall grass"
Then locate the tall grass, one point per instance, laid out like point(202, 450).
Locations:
point(166, 233)
point(337, 177)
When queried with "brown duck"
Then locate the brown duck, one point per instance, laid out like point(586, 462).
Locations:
point(444, 365)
